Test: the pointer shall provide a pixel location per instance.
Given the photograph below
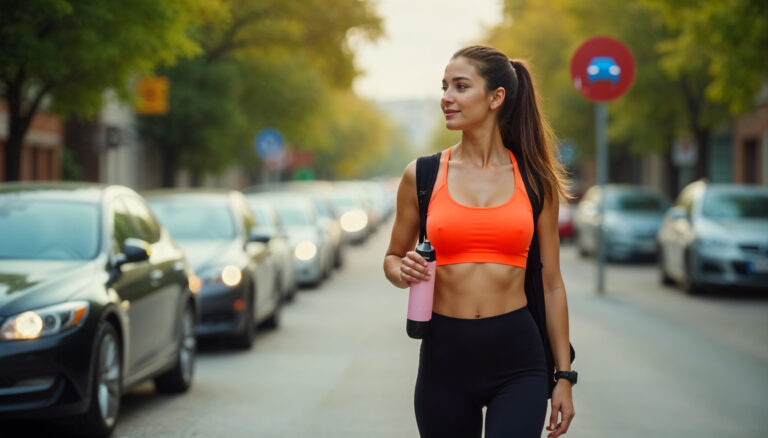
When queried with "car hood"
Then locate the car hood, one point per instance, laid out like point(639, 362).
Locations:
point(30, 284)
point(298, 234)
point(636, 221)
point(737, 230)
point(202, 254)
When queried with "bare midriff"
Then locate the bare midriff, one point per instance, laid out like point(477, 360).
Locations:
point(478, 290)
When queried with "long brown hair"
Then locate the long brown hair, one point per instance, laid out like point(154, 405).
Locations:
point(523, 129)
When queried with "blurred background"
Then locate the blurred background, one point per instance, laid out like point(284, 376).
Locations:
point(261, 143)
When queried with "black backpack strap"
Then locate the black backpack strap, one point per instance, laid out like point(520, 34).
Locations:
point(426, 174)
point(536, 202)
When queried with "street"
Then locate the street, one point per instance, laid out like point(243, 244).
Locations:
point(652, 362)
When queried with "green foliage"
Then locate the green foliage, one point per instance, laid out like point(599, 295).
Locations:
point(290, 64)
point(725, 40)
point(356, 137)
point(206, 126)
point(74, 50)
point(692, 59)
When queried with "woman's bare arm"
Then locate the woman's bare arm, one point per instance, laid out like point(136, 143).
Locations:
point(554, 288)
point(402, 265)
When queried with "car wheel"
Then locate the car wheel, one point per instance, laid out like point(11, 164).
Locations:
point(106, 388)
point(663, 277)
point(274, 319)
point(327, 268)
point(244, 339)
point(582, 251)
point(338, 259)
point(690, 286)
point(179, 378)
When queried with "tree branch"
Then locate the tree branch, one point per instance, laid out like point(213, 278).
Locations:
point(227, 42)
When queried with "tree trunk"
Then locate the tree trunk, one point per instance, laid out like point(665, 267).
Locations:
point(170, 164)
point(195, 177)
point(18, 124)
point(703, 136)
point(13, 149)
point(694, 100)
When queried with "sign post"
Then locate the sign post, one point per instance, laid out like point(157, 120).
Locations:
point(269, 144)
point(602, 70)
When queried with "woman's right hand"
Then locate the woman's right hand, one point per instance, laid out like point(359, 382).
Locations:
point(413, 268)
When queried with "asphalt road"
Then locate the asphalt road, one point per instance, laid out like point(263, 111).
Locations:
point(652, 362)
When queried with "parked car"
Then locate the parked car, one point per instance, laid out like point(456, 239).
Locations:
point(331, 225)
point(239, 287)
point(320, 192)
point(94, 298)
point(268, 222)
point(565, 222)
point(716, 235)
point(353, 215)
point(633, 215)
point(311, 246)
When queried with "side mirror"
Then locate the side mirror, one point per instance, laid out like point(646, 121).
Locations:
point(258, 235)
point(134, 250)
point(676, 213)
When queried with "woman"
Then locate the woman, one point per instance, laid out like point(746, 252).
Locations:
point(484, 348)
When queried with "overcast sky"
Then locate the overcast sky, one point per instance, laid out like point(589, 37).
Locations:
point(420, 37)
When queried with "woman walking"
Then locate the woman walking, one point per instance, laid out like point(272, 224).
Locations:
point(498, 337)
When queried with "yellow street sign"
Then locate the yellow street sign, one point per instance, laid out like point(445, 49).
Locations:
point(153, 95)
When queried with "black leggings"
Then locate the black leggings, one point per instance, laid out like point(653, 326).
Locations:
point(466, 364)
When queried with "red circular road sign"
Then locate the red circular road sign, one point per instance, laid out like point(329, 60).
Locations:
point(602, 69)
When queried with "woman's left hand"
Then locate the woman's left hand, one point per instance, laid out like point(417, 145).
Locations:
point(562, 403)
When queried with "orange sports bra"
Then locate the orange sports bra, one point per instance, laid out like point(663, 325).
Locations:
point(464, 234)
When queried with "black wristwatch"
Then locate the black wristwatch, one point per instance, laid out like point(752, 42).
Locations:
point(571, 376)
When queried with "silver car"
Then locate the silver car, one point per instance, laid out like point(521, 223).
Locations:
point(312, 247)
point(215, 229)
point(268, 222)
point(633, 215)
point(716, 235)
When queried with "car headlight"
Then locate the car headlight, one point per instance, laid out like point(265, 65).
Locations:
point(47, 321)
point(227, 275)
point(353, 220)
point(305, 250)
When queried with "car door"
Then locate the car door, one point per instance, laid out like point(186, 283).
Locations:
point(132, 285)
point(587, 220)
point(165, 285)
point(261, 260)
point(682, 231)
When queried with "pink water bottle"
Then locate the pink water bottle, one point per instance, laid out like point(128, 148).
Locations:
point(420, 296)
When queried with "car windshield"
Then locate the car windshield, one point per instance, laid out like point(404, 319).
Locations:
point(195, 219)
point(294, 215)
point(343, 202)
point(263, 216)
point(36, 229)
point(636, 202)
point(733, 205)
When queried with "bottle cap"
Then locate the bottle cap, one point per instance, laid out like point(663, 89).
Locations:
point(426, 250)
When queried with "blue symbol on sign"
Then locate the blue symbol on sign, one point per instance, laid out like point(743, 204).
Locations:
point(269, 143)
point(603, 68)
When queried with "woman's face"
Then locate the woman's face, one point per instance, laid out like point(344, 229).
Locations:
point(465, 103)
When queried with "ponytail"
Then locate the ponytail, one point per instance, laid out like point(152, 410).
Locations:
point(526, 132)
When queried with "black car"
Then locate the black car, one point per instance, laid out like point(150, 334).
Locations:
point(240, 287)
point(94, 298)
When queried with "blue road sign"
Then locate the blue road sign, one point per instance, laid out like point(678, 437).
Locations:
point(269, 143)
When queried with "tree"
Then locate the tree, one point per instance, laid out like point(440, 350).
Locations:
point(693, 60)
point(715, 53)
point(71, 51)
point(290, 57)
